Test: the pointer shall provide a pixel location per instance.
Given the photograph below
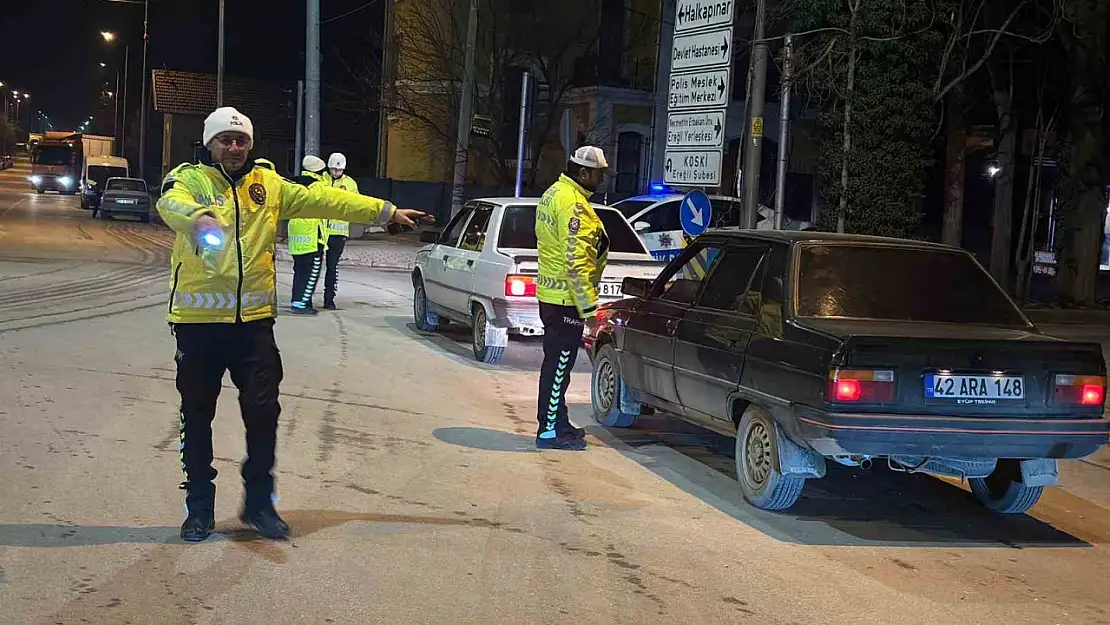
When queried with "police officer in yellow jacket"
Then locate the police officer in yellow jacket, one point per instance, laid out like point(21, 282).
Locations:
point(338, 230)
point(573, 248)
point(223, 301)
point(308, 240)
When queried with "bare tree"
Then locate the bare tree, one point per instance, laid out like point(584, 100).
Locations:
point(554, 41)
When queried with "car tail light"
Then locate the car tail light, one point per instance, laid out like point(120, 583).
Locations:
point(863, 386)
point(1080, 390)
point(520, 286)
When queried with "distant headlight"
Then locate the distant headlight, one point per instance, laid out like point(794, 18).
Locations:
point(65, 181)
point(35, 180)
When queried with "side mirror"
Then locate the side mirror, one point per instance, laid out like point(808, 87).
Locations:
point(635, 287)
point(642, 226)
point(429, 236)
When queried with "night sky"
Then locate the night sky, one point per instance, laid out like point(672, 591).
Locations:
point(53, 48)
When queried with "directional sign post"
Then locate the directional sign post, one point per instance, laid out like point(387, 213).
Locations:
point(700, 168)
point(695, 213)
point(704, 129)
point(698, 14)
point(699, 93)
point(699, 50)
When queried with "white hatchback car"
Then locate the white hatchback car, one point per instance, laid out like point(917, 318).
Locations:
point(481, 271)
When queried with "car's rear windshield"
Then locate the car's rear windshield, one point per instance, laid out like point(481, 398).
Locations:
point(518, 230)
point(899, 284)
point(127, 185)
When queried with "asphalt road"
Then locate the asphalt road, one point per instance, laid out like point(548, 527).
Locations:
point(407, 472)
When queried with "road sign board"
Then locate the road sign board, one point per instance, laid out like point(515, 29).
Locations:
point(700, 168)
point(699, 89)
point(696, 14)
point(704, 49)
point(695, 213)
point(703, 129)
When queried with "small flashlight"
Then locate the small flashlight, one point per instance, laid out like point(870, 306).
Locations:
point(212, 240)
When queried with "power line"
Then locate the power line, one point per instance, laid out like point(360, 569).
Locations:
point(330, 19)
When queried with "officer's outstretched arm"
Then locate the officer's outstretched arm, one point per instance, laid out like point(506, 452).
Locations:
point(178, 208)
point(581, 240)
point(320, 201)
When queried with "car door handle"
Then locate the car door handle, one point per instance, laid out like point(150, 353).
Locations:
point(470, 263)
point(672, 325)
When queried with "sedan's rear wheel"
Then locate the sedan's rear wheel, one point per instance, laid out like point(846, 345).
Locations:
point(757, 448)
point(483, 352)
point(1003, 491)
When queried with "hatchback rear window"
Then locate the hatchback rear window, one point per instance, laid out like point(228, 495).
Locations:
point(518, 230)
point(900, 284)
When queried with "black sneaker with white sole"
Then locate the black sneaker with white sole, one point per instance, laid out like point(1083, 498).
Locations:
point(563, 442)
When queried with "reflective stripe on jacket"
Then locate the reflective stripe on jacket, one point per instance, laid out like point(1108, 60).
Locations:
point(307, 235)
point(336, 226)
point(573, 247)
point(237, 282)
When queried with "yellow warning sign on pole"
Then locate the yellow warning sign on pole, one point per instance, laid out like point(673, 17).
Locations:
point(757, 126)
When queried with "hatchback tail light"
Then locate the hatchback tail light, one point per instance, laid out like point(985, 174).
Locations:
point(861, 386)
point(520, 286)
point(1080, 390)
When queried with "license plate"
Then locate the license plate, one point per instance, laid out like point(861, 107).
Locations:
point(609, 289)
point(975, 389)
point(126, 201)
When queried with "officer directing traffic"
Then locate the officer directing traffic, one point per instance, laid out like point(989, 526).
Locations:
point(223, 300)
point(573, 248)
point(308, 241)
point(338, 230)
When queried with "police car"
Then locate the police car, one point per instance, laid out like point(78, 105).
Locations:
point(655, 218)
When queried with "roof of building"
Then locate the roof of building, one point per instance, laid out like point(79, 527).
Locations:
point(187, 93)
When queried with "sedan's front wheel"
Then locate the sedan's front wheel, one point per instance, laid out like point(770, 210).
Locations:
point(757, 448)
point(607, 389)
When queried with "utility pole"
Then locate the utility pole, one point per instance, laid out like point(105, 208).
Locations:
point(123, 124)
point(522, 140)
point(312, 80)
point(466, 102)
point(115, 118)
point(220, 61)
point(142, 97)
point(386, 79)
point(753, 149)
point(787, 83)
point(298, 149)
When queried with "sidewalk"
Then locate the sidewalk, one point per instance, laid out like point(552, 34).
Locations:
point(380, 251)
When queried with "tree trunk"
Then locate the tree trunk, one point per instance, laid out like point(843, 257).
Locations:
point(1082, 191)
point(846, 147)
point(955, 170)
point(1002, 221)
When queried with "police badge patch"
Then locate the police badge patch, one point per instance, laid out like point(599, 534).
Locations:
point(574, 225)
point(257, 193)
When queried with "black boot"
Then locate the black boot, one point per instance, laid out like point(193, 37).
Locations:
point(266, 522)
point(330, 305)
point(562, 442)
point(198, 526)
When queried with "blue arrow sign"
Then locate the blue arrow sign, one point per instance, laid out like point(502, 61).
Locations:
point(696, 213)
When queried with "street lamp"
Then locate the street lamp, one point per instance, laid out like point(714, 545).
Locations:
point(108, 36)
point(121, 128)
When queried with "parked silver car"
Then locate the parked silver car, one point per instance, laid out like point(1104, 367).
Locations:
point(481, 271)
point(124, 196)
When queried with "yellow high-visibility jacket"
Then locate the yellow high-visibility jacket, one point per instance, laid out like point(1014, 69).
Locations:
point(307, 235)
point(337, 226)
point(573, 248)
point(236, 283)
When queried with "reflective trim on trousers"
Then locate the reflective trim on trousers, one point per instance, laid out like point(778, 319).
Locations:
point(310, 286)
point(223, 301)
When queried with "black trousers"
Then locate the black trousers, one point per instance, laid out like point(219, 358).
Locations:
point(204, 352)
point(562, 337)
point(306, 273)
point(336, 243)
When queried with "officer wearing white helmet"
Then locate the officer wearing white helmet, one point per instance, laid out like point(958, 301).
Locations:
point(573, 248)
point(338, 230)
point(224, 211)
point(308, 240)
